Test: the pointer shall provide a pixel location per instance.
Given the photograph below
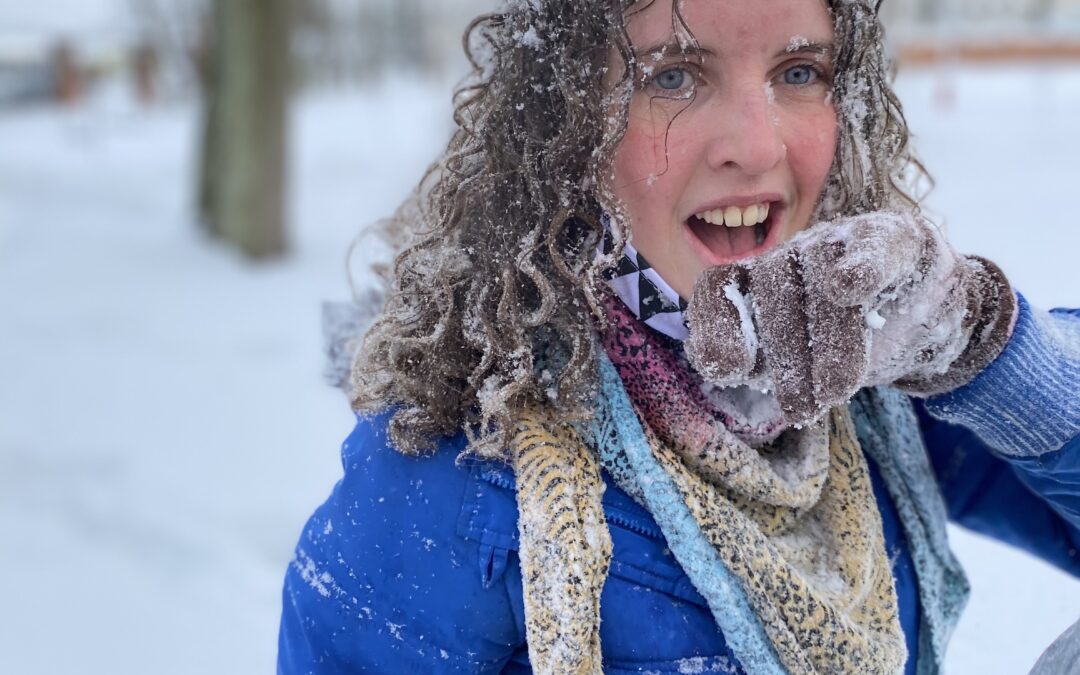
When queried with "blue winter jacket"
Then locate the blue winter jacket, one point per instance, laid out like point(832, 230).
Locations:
point(411, 565)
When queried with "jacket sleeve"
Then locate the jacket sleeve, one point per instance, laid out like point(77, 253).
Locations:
point(381, 581)
point(1006, 447)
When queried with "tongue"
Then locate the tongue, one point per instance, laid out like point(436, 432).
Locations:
point(725, 242)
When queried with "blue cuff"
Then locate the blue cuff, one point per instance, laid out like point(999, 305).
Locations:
point(1027, 402)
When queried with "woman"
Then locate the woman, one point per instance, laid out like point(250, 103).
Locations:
point(674, 377)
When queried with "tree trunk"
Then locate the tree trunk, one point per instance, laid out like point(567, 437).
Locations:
point(410, 38)
point(1041, 10)
point(207, 60)
point(928, 11)
point(242, 188)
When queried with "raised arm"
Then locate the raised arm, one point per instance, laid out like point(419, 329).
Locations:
point(1006, 447)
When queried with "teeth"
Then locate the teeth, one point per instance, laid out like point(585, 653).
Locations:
point(733, 216)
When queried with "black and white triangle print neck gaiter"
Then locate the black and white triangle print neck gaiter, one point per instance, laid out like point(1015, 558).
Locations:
point(645, 292)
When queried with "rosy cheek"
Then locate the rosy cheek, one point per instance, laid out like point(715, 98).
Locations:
point(811, 151)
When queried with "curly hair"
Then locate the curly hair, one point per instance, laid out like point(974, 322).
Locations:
point(496, 295)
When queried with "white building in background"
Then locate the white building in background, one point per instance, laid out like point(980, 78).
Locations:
point(369, 36)
point(438, 40)
point(96, 32)
point(1014, 10)
point(963, 19)
point(360, 39)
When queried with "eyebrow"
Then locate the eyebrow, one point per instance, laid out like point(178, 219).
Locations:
point(673, 47)
point(802, 47)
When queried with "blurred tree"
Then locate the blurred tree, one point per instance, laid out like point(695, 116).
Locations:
point(317, 43)
point(395, 36)
point(1041, 10)
point(241, 189)
point(67, 74)
point(175, 31)
point(411, 23)
point(928, 10)
point(145, 66)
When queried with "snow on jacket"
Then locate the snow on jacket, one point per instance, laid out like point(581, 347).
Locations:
point(411, 565)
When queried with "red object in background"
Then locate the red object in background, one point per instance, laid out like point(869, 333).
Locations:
point(68, 78)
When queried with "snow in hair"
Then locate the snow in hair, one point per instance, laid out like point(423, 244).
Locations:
point(494, 298)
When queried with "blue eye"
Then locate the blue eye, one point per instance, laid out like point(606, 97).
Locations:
point(800, 75)
point(672, 79)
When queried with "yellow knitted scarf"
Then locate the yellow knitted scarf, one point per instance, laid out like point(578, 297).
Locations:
point(565, 545)
point(818, 579)
point(796, 523)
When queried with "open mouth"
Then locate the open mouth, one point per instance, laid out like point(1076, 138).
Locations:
point(723, 236)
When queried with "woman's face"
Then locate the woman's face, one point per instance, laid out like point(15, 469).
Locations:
point(698, 175)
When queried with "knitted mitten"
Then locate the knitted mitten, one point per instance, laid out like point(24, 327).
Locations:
point(879, 298)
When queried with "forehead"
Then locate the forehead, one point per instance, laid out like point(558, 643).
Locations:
point(728, 27)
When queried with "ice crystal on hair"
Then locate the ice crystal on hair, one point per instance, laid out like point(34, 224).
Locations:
point(523, 5)
point(487, 280)
point(530, 38)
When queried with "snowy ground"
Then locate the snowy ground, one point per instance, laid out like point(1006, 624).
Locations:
point(164, 429)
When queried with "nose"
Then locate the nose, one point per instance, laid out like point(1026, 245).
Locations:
point(746, 133)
